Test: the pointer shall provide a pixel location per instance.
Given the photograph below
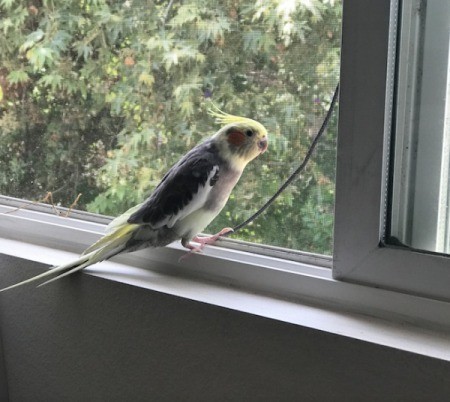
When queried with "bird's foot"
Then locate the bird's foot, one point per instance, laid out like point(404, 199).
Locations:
point(203, 241)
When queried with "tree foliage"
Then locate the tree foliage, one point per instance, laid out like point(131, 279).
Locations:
point(101, 97)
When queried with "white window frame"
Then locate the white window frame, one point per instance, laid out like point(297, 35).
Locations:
point(360, 254)
point(388, 291)
point(422, 136)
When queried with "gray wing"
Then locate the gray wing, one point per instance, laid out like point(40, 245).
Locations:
point(184, 188)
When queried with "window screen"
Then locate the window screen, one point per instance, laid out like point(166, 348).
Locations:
point(100, 98)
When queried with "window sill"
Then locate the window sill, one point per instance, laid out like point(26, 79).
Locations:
point(296, 292)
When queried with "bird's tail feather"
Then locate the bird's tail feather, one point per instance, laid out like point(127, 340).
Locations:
point(81, 265)
point(55, 270)
point(107, 247)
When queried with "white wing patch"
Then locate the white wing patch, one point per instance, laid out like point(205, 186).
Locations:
point(197, 202)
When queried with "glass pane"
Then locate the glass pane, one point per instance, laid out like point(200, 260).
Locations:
point(100, 98)
point(420, 215)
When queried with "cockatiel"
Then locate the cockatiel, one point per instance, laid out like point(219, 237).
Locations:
point(187, 199)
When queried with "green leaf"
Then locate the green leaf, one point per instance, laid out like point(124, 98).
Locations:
point(185, 90)
point(51, 80)
point(187, 108)
point(17, 77)
point(40, 56)
point(6, 4)
point(146, 79)
point(186, 13)
point(212, 29)
point(60, 40)
point(31, 40)
point(252, 40)
point(83, 50)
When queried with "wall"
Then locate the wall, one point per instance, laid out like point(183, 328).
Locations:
point(89, 339)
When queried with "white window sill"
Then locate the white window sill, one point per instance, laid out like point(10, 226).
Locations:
point(298, 293)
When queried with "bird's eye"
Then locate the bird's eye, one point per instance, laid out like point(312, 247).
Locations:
point(249, 133)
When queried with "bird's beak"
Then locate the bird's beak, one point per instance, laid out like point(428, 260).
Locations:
point(262, 144)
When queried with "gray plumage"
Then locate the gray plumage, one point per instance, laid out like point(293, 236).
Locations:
point(188, 198)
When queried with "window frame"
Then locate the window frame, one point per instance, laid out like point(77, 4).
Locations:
point(358, 231)
point(360, 252)
point(422, 146)
point(53, 239)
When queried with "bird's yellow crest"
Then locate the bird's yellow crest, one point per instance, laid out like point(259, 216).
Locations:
point(225, 118)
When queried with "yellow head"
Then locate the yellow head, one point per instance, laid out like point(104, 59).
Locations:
point(241, 139)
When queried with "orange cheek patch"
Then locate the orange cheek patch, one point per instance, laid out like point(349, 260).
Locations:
point(236, 138)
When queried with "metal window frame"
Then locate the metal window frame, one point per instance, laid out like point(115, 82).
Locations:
point(422, 146)
point(360, 254)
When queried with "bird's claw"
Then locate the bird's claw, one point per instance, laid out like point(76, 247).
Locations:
point(203, 241)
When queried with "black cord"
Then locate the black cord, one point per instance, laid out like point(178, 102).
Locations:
point(291, 178)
